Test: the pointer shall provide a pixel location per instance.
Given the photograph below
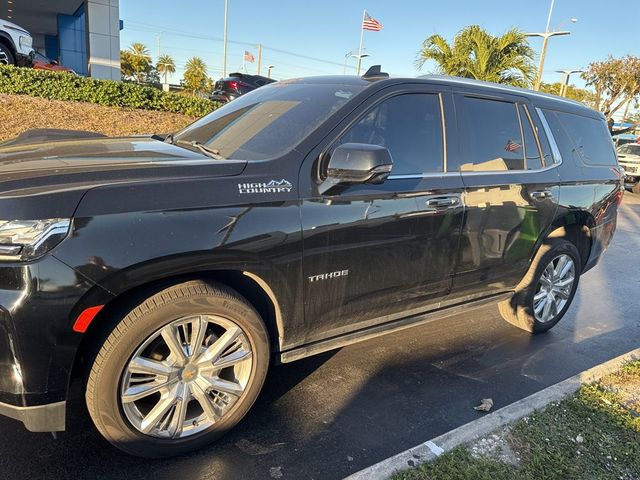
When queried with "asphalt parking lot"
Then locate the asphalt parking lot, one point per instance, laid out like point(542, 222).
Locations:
point(331, 415)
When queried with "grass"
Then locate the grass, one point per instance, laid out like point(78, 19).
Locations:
point(20, 112)
point(593, 435)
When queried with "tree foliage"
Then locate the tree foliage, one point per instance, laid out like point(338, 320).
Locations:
point(477, 54)
point(166, 66)
point(574, 93)
point(615, 80)
point(135, 63)
point(196, 80)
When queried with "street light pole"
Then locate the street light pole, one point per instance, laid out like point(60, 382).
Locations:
point(546, 35)
point(565, 80)
point(224, 47)
point(269, 67)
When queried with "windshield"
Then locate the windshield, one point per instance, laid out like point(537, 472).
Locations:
point(269, 121)
point(630, 149)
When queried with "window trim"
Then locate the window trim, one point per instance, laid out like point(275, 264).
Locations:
point(325, 152)
point(535, 137)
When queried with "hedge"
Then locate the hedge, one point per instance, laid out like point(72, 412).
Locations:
point(66, 86)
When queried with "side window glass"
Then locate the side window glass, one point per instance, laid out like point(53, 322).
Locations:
point(565, 146)
point(491, 136)
point(591, 138)
point(531, 146)
point(410, 126)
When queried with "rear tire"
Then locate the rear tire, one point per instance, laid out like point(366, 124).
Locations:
point(196, 341)
point(532, 306)
point(6, 56)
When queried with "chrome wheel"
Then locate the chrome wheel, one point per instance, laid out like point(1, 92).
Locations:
point(554, 288)
point(4, 58)
point(186, 376)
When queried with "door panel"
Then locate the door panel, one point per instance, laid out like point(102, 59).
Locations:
point(507, 206)
point(374, 253)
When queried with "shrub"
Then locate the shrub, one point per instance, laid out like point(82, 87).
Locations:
point(66, 86)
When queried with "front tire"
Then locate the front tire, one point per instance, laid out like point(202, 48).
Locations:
point(6, 56)
point(178, 371)
point(547, 290)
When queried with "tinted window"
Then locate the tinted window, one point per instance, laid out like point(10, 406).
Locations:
point(491, 136)
point(268, 121)
point(565, 145)
point(410, 126)
point(531, 146)
point(591, 138)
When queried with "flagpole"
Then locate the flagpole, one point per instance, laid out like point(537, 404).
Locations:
point(364, 14)
point(224, 46)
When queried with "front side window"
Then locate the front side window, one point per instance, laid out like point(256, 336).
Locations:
point(491, 136)
point(410, 126)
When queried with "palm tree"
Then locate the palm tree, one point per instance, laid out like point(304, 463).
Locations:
point(475, 53)
point(166, 66)
point(140, 49)
point(195, 75)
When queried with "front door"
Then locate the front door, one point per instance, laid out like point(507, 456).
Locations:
point(373, 253)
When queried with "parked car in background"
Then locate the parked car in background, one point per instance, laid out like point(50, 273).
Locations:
point(629, 158)
point(169, 273)
point(16, 45)
point(41, 62)
point(237, 84)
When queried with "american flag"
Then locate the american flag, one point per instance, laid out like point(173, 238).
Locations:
point(370, 23)
point(512, 146)
point(248, 57)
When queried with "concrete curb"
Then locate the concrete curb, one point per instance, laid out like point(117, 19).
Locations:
point(472, 431)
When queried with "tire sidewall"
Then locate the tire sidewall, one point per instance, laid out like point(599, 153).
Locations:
point(112, 421)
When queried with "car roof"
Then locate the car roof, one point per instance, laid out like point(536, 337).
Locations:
point(542, 99)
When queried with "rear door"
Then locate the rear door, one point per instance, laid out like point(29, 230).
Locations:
point(511, 191)
point(374, 253)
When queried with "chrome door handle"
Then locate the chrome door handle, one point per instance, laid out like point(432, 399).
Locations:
point(443, 202)
point(540, 194)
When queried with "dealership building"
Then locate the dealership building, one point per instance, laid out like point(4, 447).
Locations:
point(81, 34)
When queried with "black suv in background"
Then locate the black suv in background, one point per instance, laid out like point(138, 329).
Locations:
point(302, 217)
point(236, 84)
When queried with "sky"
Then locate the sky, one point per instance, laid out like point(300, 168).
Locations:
point(304, 38)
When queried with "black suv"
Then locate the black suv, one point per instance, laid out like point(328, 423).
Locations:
point(236, 84)
point(166, 273)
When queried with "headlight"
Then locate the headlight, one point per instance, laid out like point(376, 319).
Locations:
point(26, 41)
point(29, 239)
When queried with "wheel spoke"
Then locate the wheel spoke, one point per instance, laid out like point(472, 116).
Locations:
point(232, 359)
point(137, 392)
point(226, 386)
point(546, 311)
point(539, 296)
point(538, 308)
point(172, 338)
point(147, 366)
point(560, 265)
point(179, 413)
point(568, 266)
point(159, 411)
point(212, 353)
point(198, 332)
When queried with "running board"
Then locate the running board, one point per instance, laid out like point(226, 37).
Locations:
point(389, 327)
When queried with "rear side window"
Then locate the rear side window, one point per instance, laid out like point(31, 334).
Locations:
point(590, 137)
point(410, 126)
point(491, 136)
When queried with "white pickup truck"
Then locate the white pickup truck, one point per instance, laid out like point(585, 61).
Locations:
point(16, 45)
point(629, 159)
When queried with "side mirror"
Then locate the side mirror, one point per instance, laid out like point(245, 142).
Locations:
point(357, 163)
